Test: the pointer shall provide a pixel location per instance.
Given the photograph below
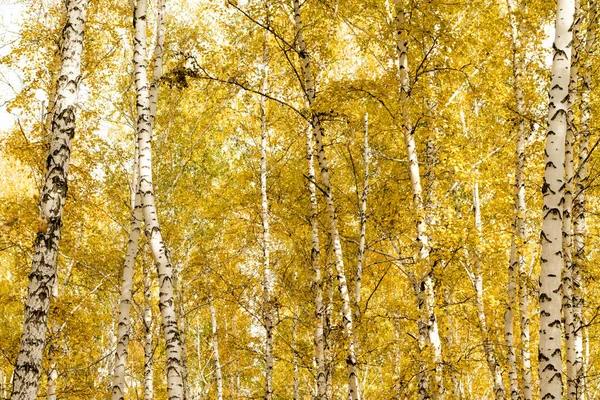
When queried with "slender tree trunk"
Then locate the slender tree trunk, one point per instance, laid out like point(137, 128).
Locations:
point(567, 222)
point(309, 86)
point(363, 220)
point(477, 280)
point(518, 240)
point(51, 384)
point(152, 227)
point(328, 329)
point(315, 255)
point(148, 337)
point(179, 288)
point(215, 346)
point(52, 348)
point(124, 323)
point(296, 387)
point(52, 201)
point(579, 201)
point(428, 329)
point(267, 273)
point(550, 362)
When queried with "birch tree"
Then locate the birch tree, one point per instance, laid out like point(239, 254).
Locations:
point(476, 277)
point(310, 92)
point(550, 362)
point(567, 226)
point(315, 255)
point(577, 384)
point(148, 336)
point(42, 279)
point(266, 237)
point(363, 220)
point(215, 346)
point(518, 240)
point(124, 324)
point(151, 224)
point(429, 338)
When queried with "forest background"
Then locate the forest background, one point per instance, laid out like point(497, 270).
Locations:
point(433, 119)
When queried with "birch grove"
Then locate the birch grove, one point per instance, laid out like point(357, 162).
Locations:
point(299, 200)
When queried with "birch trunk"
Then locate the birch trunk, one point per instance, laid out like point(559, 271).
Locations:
point(179, 289)
point(266, 239)
point(52, 377)
point(428, 329)
point(148, 339)
point(52, 201)
point(550, 363)
point(309, 86)
point(363, 221)
point(124, 323)
point(152, 227)
point(215, 346)
point(328, 329)
point(567, 222)
point(579, 201)
point(518, 240)
point(296, 387)
point(315, 254)
point(477, 281)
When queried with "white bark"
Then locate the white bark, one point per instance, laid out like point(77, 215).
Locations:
point(309, 86)
point(51, 385)
point(296, 387)
point(148, 337)
point(476, 276)
point(215, 346)
point(328, 329)
point(266, 239)
point(579, 202)
point(52, 201)
point(518, 240)
point(550, 363)
point(179, 288)
point(429, 338)
point(152, 227)
point(363, 220)
point(567, 222)
point(124, 324)
point(315, 254)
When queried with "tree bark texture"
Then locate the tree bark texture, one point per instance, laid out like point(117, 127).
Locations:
point(550, 362)
point(151, 224)
point(52, 201)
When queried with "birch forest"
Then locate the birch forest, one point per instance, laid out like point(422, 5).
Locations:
point(299, 199)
